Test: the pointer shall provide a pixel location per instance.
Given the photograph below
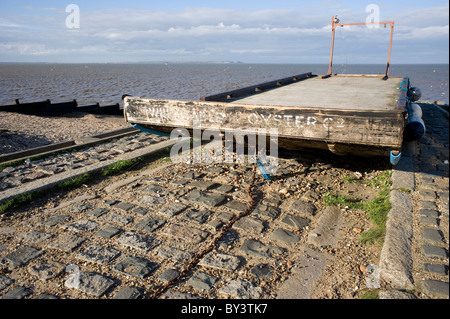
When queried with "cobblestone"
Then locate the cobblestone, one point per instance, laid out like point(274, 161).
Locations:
point(431, 259)
point(436, 288)
point(5, 282)
point(138, 241)
point(249, 224)
point(257, 248)
point(186, 234)
point(204, 198)
point(82, 226)
point(135, 266)
point(285, 236)
point(262, 271)
point(302, 207)
point(34, 237)
point(432, 236)
point(168, 275)
point(126, 235)
point(58, 163)
point(45, 270)
point(66, 242)
point(98, 254)
point(220, 261)
point(202, 281)
point(18, 293)
point(327, 229)
point(241, 289)
point(129, 293)
point(21, 256)
point(295, 221)
point(91, 283)
point(107, 232)
point(150, 224)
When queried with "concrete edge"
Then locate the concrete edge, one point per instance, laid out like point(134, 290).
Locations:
point(396, 261)
point(66, 145)
point(52, 181)
point(442, 110)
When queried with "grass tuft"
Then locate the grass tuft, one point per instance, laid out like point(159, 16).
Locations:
point(18, 201)
point(74, 182)
point(121, 166)
point(378, 209)
point(340, 200)
point(369, 295)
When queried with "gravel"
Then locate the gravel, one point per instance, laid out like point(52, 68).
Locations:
point(19, 131)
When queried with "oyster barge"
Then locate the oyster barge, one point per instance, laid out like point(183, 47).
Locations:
point(346, 114)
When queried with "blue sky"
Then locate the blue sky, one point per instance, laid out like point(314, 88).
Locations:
point(253, 31)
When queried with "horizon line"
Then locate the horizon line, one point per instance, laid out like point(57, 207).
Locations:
point(215, 62)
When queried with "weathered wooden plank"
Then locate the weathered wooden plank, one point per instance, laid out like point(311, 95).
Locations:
point(249, 90)
point(345, 114)
point(344, 92)
point(377, 128)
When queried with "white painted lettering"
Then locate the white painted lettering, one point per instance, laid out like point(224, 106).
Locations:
point(311, 121)
point(298, 120)
point(253, 118)
point(327, 122)
point(220, 118)
point(266, 120)
point(288, 119)
point(340, 123)
point(278, 119)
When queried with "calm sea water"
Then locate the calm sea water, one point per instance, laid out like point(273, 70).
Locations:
point(106, 83)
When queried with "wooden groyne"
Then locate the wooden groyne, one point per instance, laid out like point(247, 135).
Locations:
point(47, 108)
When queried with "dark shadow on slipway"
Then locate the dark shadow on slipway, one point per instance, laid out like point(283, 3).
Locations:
point(12, 142)
point(311, 158)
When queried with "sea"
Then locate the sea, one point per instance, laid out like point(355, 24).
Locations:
point(107, 83)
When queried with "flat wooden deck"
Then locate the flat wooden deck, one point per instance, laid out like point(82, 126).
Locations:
point(338, 92)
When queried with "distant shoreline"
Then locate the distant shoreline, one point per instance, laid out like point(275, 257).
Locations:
point(216, 62)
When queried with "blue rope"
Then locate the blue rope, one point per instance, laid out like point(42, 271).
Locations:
point(147, 130)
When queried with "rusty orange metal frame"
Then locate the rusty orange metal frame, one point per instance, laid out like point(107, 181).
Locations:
point(335, 23)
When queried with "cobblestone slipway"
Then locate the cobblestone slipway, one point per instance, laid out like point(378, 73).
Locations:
point(431, 206)
point(124, 236)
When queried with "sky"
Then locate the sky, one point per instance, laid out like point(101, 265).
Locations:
point(249, 31)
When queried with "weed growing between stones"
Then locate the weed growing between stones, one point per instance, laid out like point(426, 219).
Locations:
point(369, 295)
point(74, 182)
point(121, 166)
point(18, 201)
point(378, 209)
point(340, 200)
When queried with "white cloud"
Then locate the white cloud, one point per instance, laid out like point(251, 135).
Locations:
point(276, 35)
point(431, 32)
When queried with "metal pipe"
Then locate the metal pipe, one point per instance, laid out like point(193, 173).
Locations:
point(390, 49)
point(335, 23)
point(395, 157)
point(333, 26)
